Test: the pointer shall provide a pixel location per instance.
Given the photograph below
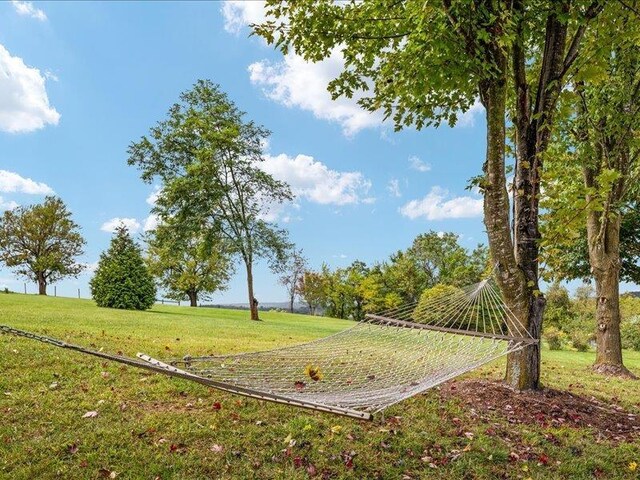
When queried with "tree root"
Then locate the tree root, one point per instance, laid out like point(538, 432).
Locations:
point(613, 371)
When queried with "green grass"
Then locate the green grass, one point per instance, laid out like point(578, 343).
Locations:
point(150, 426)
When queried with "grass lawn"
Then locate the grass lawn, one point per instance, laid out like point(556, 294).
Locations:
point(154, 427)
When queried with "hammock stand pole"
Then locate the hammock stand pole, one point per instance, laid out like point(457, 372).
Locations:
point(154, 365)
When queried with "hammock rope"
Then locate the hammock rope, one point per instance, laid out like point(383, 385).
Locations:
point(380, 361)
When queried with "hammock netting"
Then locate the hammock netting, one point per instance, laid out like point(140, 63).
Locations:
point(364, 369)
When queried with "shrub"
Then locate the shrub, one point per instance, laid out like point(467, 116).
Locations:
point(630, 331)
point(122, 279)
point(580, 341)
point(554, 337)
point(435, 302)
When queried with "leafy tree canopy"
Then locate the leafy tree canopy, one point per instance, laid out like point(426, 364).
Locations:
point(41, 242)
point(188, 263)
point(207, 158)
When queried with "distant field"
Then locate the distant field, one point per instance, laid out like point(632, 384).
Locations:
point(151, 426)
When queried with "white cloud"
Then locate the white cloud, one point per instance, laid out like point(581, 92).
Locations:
point(7, 204)
point(468, 118)
point(417, 164)
point(150, 223)
point(295, 82)
point(27, 9)
point(24, 105)
point(314, 181)
point(12, 182)
point(394, 187)
point(153, 196)
point(131, 223)
point(239, 14)
point(435, 206)
point(90, 268)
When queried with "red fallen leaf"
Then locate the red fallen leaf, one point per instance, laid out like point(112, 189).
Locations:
point(73, 448)
point(84, 464)
point(543, 459)
point(173, 448)
point(217, 406)
point(300, 385)
point(347, 457)
point(297, 462)
point(513, 456)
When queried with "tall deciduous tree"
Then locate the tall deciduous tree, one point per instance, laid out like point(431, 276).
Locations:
point(424, 61)
point(311, 288)
point(41, 242)
point(600, 144)
point(188, 263)
point(208, 160)
point(291, 272)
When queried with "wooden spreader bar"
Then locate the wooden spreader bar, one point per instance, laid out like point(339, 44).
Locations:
point(470, 333)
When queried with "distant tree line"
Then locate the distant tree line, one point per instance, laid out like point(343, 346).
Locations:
point(434, 258)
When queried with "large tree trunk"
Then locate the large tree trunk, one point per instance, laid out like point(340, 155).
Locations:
point(253, 303)
point(604, 257)
point(193, 298)
point(42, 284)
point(522, 367)
point(291, 301)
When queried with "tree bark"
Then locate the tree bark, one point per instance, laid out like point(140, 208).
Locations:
point(253, 303)
point(523, 369)
point(291, 301)
point(193, 298)
point(604, 257)
point(42, 284)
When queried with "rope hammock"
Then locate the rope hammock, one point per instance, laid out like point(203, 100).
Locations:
point(364, 369)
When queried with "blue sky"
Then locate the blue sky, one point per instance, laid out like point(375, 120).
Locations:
point(80, 81)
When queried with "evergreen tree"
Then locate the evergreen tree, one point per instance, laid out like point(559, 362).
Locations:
point(122, 279)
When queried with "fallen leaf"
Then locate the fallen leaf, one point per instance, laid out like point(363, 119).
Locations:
point(217, 448)
point(313, 372)
point(300, 385)
point(73, 448)
point(336, 429)
point(92, 414)
point(633, 466)
point(217, 405)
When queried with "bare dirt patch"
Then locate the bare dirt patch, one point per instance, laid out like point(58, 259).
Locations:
point(545, 408)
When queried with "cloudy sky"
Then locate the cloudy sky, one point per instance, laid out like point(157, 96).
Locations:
point(80, 81)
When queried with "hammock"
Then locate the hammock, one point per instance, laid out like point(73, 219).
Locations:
point(364, 369)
